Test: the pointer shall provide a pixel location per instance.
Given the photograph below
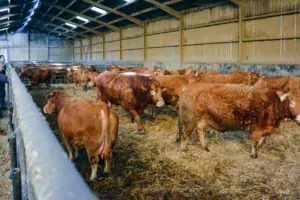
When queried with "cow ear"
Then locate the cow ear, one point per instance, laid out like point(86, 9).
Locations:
point(282, 96)
point(196, 73)
point(50, 97)
point(143, 87)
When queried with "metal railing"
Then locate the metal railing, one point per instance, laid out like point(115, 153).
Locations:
point(40, 168)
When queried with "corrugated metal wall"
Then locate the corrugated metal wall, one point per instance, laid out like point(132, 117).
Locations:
point(208, 36)
point(32, 45)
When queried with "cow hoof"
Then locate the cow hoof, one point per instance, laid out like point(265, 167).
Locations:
point(207, 149)
point(254, 156)
point(142, 132)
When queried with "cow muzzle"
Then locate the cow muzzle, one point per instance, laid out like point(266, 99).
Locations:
point(297, 119)
point(160, 103)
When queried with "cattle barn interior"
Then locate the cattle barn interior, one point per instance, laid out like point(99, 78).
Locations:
point(109, 55)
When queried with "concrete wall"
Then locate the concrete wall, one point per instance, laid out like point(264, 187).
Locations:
point(32, 45)
point(270, 36)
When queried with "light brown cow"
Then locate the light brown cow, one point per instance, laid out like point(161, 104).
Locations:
point(85, 124)
point(229, 107)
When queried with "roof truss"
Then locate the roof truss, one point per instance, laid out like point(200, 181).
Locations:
point(165, 8)
point(112, 27)
point(128, 17)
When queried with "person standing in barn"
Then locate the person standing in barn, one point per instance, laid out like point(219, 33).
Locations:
point(3, 80)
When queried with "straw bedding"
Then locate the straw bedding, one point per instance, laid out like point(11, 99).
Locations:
point(153, 167)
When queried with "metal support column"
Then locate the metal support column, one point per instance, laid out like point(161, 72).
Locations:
point(91, 49)
point(121, 53)
point(145, 45)
point(181, 41)
point(81, 50)
point(103, 46)
point(241, 34)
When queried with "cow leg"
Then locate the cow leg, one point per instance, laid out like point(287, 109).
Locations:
point(76, 152)
point(261, 141)
point(69, 148)
point(137, 119)
point(94, 159)
point(179, 133)
point(201, 126)
point(185, 137)
point(153, 112)
point(255, 137)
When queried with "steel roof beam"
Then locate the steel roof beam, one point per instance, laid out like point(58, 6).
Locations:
point(140, 12)
point(165, 8)
point(60, 33)
point(238, 3)
point(87, 17)
point(108, 9)
point(47, 32)
point(78, 25)
point(70, 30)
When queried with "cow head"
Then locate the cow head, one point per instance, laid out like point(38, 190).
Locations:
point(292, 97)
point(155, 93)
point(50, 107)
point(70, 75)
point(24, 72)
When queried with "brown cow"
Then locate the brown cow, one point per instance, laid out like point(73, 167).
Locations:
point(172, 85)
point(133, 92)
point(37, 75)
point(229, 107)
point(237, 77)
point(88, 78)
point(85, 124)
point(76, 76)
point(115, 68)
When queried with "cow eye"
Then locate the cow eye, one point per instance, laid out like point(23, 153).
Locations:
point(292, 103)
point(152, 92)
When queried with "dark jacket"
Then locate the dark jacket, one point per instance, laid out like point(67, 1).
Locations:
point(3, 79)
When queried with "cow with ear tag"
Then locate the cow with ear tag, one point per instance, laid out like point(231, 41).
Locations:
point(231, 107)
point(133, 92)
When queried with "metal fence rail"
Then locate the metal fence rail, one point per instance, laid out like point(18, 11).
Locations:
point(40, 167)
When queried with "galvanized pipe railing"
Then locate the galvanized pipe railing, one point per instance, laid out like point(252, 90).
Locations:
point(46, 172)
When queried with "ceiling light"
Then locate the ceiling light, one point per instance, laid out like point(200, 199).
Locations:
point(4, 9)
point(99, 10)
point(3, 29)
point(128, 1)
point(71, 25)
point(2, 18)
point(82, 19)
point(36, 5)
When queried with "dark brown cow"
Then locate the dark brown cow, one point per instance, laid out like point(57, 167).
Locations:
point(232, 107)
point(133, 92)
point(85, 124)
point(37, 75)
